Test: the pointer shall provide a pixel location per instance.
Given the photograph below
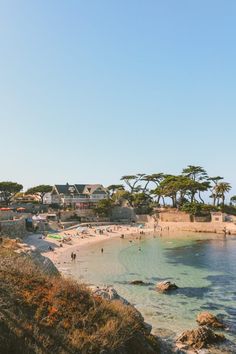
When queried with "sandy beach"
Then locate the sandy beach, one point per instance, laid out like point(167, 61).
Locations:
point(79, 236)
point(76, 238)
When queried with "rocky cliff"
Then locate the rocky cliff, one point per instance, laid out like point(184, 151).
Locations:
point(41, 312)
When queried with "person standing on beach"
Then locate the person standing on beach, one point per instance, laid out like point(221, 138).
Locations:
point(72, 256)
point(225, 231)
point(101, 250)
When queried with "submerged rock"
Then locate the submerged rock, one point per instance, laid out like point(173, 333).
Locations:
point(199, 338)
point(137, 282)
point(166, 286)
point(207, 318)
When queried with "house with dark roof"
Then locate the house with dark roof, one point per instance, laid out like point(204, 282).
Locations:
point(81, 196)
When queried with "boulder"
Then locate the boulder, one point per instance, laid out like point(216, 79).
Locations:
point(44, 263)
point(199, 338)
point(166, 286)
point(148, 327)
point(110, 294)
point(207, 318)
point(107, 293)
point(137, 282)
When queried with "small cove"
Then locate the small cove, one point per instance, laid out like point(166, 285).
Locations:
point(202, 265)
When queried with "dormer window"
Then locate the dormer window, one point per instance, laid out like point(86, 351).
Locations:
point(71, 190)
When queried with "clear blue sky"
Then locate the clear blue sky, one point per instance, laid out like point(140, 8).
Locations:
point(93, 90)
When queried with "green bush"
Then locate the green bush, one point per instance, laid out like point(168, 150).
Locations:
point(198, 209)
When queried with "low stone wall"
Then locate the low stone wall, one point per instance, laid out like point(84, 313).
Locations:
point(206, 218)
point(145, 219)
point(208, 227)
point(7, 215)
point(174, 216)
point(86, 213)
point(82, 213)
point(13, 228)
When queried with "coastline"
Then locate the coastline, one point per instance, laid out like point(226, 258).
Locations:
point(61, 255)
point(79, 240)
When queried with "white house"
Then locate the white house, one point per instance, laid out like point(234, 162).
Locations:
point(81, 196)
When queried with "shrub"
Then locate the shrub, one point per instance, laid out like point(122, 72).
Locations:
point(198, 209)
point(43, 314)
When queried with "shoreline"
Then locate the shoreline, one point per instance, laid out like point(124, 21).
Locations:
point(82, 240)
point(78, 240)
point(61, 254)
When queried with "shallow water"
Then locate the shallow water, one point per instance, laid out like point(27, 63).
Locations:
point(203, 266)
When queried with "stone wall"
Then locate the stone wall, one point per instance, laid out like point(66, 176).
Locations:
point(206, 218)
point(208, 227)
point(123, 213)
point(145, 219)
point(7, 215)
point(174, 216)
point(86, 213)
point(82, 213)
point(13, 228)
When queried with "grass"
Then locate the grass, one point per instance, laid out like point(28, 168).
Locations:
point(42, 314)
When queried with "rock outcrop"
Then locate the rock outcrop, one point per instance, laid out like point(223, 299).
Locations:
point(199, 338)
point(207, 318)
point(107, 293)
point(110, 294)
point(166, 286)
point(57, 315)
point(44, 263)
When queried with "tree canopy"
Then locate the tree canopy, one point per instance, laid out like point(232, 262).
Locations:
point(40, 190)
point(103, 208)
point(8, 190)
point(187, 188)
point(233, 199)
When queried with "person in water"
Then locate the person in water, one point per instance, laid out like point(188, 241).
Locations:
point(101, 250)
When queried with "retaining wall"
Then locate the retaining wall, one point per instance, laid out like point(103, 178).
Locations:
point(174, 216)
point(123, 213)
point(210, 227)
point(13, 228)
point(83, 213)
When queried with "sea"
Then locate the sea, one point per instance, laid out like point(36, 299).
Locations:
point(203, 266)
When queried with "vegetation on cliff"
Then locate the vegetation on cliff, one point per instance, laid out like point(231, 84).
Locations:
point(48, 314)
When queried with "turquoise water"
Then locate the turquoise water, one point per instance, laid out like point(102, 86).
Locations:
point(203, 266)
